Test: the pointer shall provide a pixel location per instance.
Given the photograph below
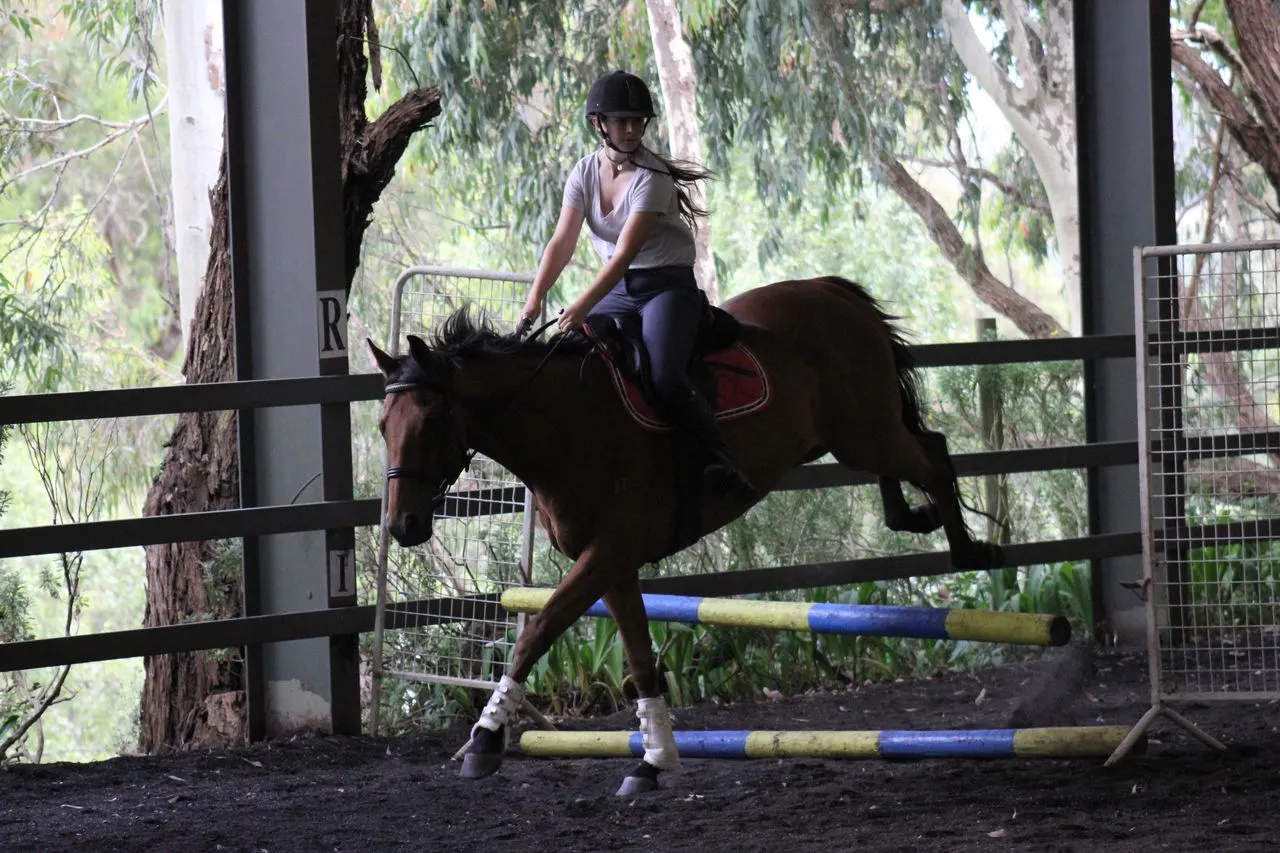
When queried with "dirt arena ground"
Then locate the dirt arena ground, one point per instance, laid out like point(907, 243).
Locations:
point(366, 794)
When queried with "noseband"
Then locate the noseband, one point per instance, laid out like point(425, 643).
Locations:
point(459, 451)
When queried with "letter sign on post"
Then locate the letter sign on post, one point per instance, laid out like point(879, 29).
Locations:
point(342, 574)
point(331, 317)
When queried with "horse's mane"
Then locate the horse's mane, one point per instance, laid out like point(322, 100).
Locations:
point(463, 335)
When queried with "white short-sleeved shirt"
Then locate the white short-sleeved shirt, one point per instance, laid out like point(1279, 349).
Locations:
point(652, 190)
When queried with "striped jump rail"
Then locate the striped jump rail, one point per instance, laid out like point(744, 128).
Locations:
point(1052, 743)
point(986, 626)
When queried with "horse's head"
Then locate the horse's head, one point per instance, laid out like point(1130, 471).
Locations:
point(426, 444)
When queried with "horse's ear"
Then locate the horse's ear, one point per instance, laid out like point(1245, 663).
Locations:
point(427, 361)
point(386, 363)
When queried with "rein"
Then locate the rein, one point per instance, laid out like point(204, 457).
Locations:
point(460, 445)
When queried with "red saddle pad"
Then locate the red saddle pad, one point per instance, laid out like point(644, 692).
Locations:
point(742, 387)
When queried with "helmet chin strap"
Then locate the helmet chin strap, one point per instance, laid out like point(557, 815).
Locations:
point(604, 135)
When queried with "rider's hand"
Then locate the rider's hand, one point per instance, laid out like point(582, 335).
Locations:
point(532, 310)
point(572, 318)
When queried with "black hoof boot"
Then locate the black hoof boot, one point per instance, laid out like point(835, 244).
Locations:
point(642, 780)
point(484, 756)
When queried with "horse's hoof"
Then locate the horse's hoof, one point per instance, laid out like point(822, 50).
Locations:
point(478, 765)
point(634, 785)
point(484, 754)
point(641, 781)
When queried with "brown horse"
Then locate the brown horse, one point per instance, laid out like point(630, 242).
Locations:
point(606, 488)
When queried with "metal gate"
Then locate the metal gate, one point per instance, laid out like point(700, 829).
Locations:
point(1208, 356)
point(483, 540)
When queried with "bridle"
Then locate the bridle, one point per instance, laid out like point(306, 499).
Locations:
point(460, 453)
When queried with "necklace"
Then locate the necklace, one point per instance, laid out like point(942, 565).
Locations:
point(614, 168)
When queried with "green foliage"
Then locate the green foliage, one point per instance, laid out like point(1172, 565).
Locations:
point(121, 37)
point(15, 619)
point(1019, 214)
point(774, 91)
point(513, 75)
point(1228, 584)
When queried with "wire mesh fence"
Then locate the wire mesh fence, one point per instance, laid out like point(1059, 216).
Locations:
point(482, 535)
point(1209, 364)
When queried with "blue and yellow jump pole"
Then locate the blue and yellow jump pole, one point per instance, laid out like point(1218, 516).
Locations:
point(986, 626)
point(1062, 743)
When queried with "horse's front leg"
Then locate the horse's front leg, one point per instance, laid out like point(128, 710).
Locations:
point(592, 574)
point(626, 605)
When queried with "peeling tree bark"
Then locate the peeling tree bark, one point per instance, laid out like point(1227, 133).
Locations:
point(679, 81)
point(197, 698)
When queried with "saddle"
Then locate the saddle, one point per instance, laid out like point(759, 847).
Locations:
point(723, 369)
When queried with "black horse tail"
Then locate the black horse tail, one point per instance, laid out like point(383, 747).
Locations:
point(904, 360)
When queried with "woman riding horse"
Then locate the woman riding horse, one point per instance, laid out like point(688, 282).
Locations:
point(842, 382)
point(641, 215)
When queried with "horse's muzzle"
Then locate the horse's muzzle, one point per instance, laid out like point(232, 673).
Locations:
point(410, 528)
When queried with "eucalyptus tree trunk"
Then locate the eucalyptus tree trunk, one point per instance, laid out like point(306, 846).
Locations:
point(193, 49)
point(1039, 105)
point(197, 697)
point(679, 81)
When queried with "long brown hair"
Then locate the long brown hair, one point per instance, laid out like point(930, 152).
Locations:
point(685, 173)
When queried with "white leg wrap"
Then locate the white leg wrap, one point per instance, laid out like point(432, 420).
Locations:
point(655, 726)
point(502, 708)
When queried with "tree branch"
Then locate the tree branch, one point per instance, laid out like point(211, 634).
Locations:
point(371, 165)
point(48, 699)
point(1026, 315)
point(1030, 319)
point(1195, 14)
point(1247, 132)
point(70, 155)
point(1013, 192)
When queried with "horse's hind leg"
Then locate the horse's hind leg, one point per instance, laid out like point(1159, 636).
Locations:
point(916, 459)
point(902, 516)
point(592, 574)
point(626, 605)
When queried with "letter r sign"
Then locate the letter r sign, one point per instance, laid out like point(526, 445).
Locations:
point(331, 315)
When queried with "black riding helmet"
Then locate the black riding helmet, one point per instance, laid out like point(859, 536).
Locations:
point(620, 95)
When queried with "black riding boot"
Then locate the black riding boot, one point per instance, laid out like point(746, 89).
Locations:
point(692, 415)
